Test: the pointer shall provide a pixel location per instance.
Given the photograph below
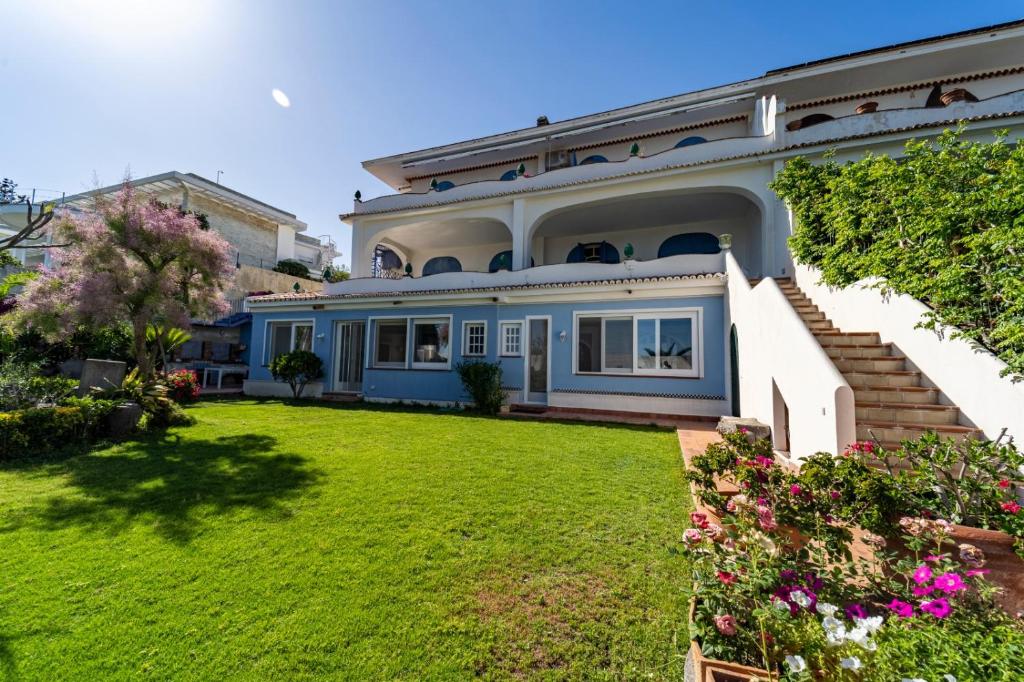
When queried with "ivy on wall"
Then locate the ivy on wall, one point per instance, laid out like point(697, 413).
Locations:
point(944, 223)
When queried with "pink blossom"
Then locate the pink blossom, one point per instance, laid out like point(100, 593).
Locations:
point(950, 582)
point(923, 590)
point(698, 519)
point(795, 489)
point(714, 532)
point(1004, 483)
point(1011, 507)
point(922, 575)
point(692, 536)
point(901, 608)
point(937, 607)
point(726, 625)
point(766, 519)
point(855, 611)
point(976, 572)
point(727, 578)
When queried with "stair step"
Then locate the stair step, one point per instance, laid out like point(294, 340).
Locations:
point(896, 432)
point(894, 378)
point(528, 408)
point(873, 350)
point(917, 395)
point(911, 413)
point(838, 338)
point(883, 364)
point(810, 315)
point(820, 325)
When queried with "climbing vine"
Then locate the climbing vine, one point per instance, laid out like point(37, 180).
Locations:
point(943, 223)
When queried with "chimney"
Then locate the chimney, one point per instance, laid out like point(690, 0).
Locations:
point(542, 120)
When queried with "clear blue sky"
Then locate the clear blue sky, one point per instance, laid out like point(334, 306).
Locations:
point(93, 87)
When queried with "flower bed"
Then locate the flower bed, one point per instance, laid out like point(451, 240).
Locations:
point(777, 586)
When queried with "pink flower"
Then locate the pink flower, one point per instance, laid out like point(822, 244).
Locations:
point(766, 519)
point(727, 578)
point(922, 575)
point(795, 489)
point(714, 532)
point(726, 625)
point(1004, 483)
point(950, 582)
point(692, 536)
point(699, 520)
point(937, 607)
point(976, 571)
point(834, 494)
point(901, 608)
point(1011, 507)
point(762, 501)
point(933, 558)
point(923, 591)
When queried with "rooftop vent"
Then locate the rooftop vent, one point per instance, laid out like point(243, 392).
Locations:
point(542, 120)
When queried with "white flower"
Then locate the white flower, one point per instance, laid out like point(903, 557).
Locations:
point(832, 624)
point(913, 679)
point(796, 663)
point(800, 598)
point(827, 609)
point(949, 678)
point(781, 605)
point(835, 639)
point(859, 636)
point(871, 624)
point(851, 663)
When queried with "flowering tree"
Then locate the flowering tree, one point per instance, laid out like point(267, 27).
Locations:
point(130, 260)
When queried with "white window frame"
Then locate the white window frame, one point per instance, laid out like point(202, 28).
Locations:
point(303, 322)
point(697, 355)
point(371, 357)
point(466, 324)
point(502, 339)
point(411, 342)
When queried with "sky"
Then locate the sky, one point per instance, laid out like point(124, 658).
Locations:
point(95, 89)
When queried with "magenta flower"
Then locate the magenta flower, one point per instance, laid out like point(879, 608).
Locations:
point(976, 571)
point(922, 575)
point(855, 611)
point(937, 607)
point(901, 608)
point(766, 519)
point(923, 590)
point(795, 489)
point(950, 582)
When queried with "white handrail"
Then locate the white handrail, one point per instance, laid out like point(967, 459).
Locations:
point(782, 367)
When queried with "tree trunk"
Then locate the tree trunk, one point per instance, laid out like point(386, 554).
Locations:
point(142, 359)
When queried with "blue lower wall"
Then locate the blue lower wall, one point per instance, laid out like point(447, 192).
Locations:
point(444, 385)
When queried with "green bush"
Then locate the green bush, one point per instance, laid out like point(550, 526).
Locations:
point(482, 381)
point(297, 368)
point(21, 386)
point(292, 267)
point(941, 224)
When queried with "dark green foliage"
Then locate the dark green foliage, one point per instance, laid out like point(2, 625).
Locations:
point(336, 274)
point(22, 386)
point(112, 342)
point(38, 431)
point(292, 267)
point(943, 224)
point(482, 381)
point(297, 369)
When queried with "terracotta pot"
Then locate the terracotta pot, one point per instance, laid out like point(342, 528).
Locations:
point(957, 95)
point(1007, 569)
point(700, 669)
point(867, 108)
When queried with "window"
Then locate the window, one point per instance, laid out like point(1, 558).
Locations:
point(595, 158)
point(641, 343)
point(509, 175)
point(390, 344)
point(474, 338)
point(284, 337)
point(593, 252)
point(444, 186)
point(690, 141)
point(431, 343)
point(439, 264)
point(511, 339)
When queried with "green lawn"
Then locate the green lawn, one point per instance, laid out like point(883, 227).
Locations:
point(283, 541)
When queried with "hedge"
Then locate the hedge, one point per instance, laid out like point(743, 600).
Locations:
point(38, 431)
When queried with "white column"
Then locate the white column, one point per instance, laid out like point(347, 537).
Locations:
point(285, 242)
point(520, 245)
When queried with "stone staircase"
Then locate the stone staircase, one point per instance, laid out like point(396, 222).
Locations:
point(891, 402)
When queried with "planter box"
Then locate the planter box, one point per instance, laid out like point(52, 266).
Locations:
point(1007, 568)
point(698, 668)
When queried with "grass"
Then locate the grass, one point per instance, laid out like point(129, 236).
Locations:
point(299, 541)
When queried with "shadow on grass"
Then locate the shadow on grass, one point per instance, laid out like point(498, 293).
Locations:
point(170, 480)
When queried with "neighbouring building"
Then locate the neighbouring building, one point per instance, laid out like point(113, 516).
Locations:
point(635, 260)
point(260, 235)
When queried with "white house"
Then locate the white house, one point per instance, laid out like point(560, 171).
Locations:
point(635, 260)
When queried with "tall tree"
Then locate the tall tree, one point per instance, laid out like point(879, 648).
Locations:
point(130, 260)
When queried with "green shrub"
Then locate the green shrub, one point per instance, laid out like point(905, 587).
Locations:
point(941, 224)
point(37, 431)
point(482, 381)
point(292, 267)
point(21, 386)
point(297, 368)
point(95, 411)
